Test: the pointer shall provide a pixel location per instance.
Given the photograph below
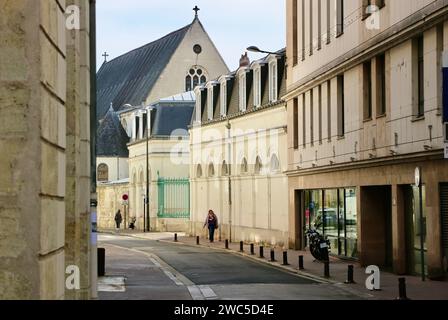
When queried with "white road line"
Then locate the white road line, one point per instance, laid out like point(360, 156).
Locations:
point(195, 293)
point(208, 293)
point(172, 277)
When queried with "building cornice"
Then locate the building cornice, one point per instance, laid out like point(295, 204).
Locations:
point(396, 160)
point(406, 29)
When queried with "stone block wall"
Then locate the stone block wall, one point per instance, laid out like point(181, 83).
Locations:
point(44, 185)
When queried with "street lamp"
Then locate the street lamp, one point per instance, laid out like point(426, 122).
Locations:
point(256, 49)
point(147, 112)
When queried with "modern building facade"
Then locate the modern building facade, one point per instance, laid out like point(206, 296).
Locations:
point(364, 97)
point(238, 153)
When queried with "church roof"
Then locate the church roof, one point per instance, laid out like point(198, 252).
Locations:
point(112, 140)
point(128, 79)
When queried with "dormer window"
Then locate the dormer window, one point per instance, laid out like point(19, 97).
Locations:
point(242, 92)
point(198, 105)
point(223, 98)
point(210, 103)
point(257, 87)
point(273, 81)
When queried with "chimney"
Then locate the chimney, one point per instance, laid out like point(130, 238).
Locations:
point(244, 61)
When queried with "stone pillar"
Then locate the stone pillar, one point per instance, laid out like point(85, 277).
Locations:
point(32, 144)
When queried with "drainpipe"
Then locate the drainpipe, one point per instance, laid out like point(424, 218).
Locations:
point(229, 159)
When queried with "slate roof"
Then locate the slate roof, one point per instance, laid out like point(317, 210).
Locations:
point(170, 116)
point(128, 79)
point(112, 139)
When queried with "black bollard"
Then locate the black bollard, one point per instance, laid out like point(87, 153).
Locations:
point(402, 289)
point(285, 258)
point(175, 237)
point(272, 255)
point(327, 269)
point(252, 249)
point(261, 252)
point(101, 262)
point(227, 244)
point(241, 246)
point(301, 263)
point(350, 275)
point(197, 240)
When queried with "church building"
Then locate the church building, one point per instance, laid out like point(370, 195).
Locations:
point(173, 64)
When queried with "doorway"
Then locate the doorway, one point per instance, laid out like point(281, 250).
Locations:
point(376, 226)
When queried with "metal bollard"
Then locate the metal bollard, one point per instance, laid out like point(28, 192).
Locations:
point(261, 252)
point(101, 262)
point(350, 275)
point(272, 255)
point(241, 246)
point(252, 249)
point(197, 240)
point(301, 263)
point(175, 237)
point(285, 258)
point(327, 269)
point(402, 289)
point(227, 244)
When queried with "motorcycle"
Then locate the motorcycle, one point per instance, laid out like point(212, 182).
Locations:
point(319, 246)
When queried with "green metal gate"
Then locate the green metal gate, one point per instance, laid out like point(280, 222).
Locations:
point(174, 198)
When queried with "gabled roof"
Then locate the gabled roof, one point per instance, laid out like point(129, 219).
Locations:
point(128, 79)
point(112, 140)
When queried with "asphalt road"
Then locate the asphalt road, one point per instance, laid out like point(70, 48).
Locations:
point(157, 270)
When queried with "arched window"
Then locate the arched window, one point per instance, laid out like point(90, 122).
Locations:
point(224, 169)
point(199, 171)
point(211, 170)
point(244, 166)
point(258, 166)
point(275, 164)
point(196, 75)
point(103, 172)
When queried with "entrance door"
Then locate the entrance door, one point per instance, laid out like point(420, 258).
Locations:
point(415, 233)
point(444, 213)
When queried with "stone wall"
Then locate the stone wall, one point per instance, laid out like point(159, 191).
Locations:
point(42, 155)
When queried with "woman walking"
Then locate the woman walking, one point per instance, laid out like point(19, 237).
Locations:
point(212, 223)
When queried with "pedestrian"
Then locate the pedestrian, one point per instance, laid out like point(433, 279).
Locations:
point(118, 219)
point(212, 223)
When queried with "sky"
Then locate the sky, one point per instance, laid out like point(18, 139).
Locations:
point(233, 25)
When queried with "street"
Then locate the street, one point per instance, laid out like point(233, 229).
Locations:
point(141, 269)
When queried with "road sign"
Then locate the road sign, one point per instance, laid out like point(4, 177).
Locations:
point(125, 197)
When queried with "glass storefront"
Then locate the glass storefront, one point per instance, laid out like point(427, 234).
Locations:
point(417, 232)
point(333, 213)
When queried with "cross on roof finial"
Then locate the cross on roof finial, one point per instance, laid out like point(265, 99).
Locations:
point(105, 55)
point(196, 10)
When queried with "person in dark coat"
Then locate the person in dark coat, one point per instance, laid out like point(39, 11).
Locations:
point(118, 219)
point(212, 223)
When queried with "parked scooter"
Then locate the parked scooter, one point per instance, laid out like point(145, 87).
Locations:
point(319, 246)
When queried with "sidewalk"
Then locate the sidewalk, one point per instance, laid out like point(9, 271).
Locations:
point(416, 288)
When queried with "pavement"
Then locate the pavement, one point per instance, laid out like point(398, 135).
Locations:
point(313, 270)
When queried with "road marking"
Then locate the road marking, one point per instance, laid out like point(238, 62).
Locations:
point(195, 293)
point(112, 284)
point(208, 293)
point(172, 277)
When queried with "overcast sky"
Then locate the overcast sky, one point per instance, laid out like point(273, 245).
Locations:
point(233, 25)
